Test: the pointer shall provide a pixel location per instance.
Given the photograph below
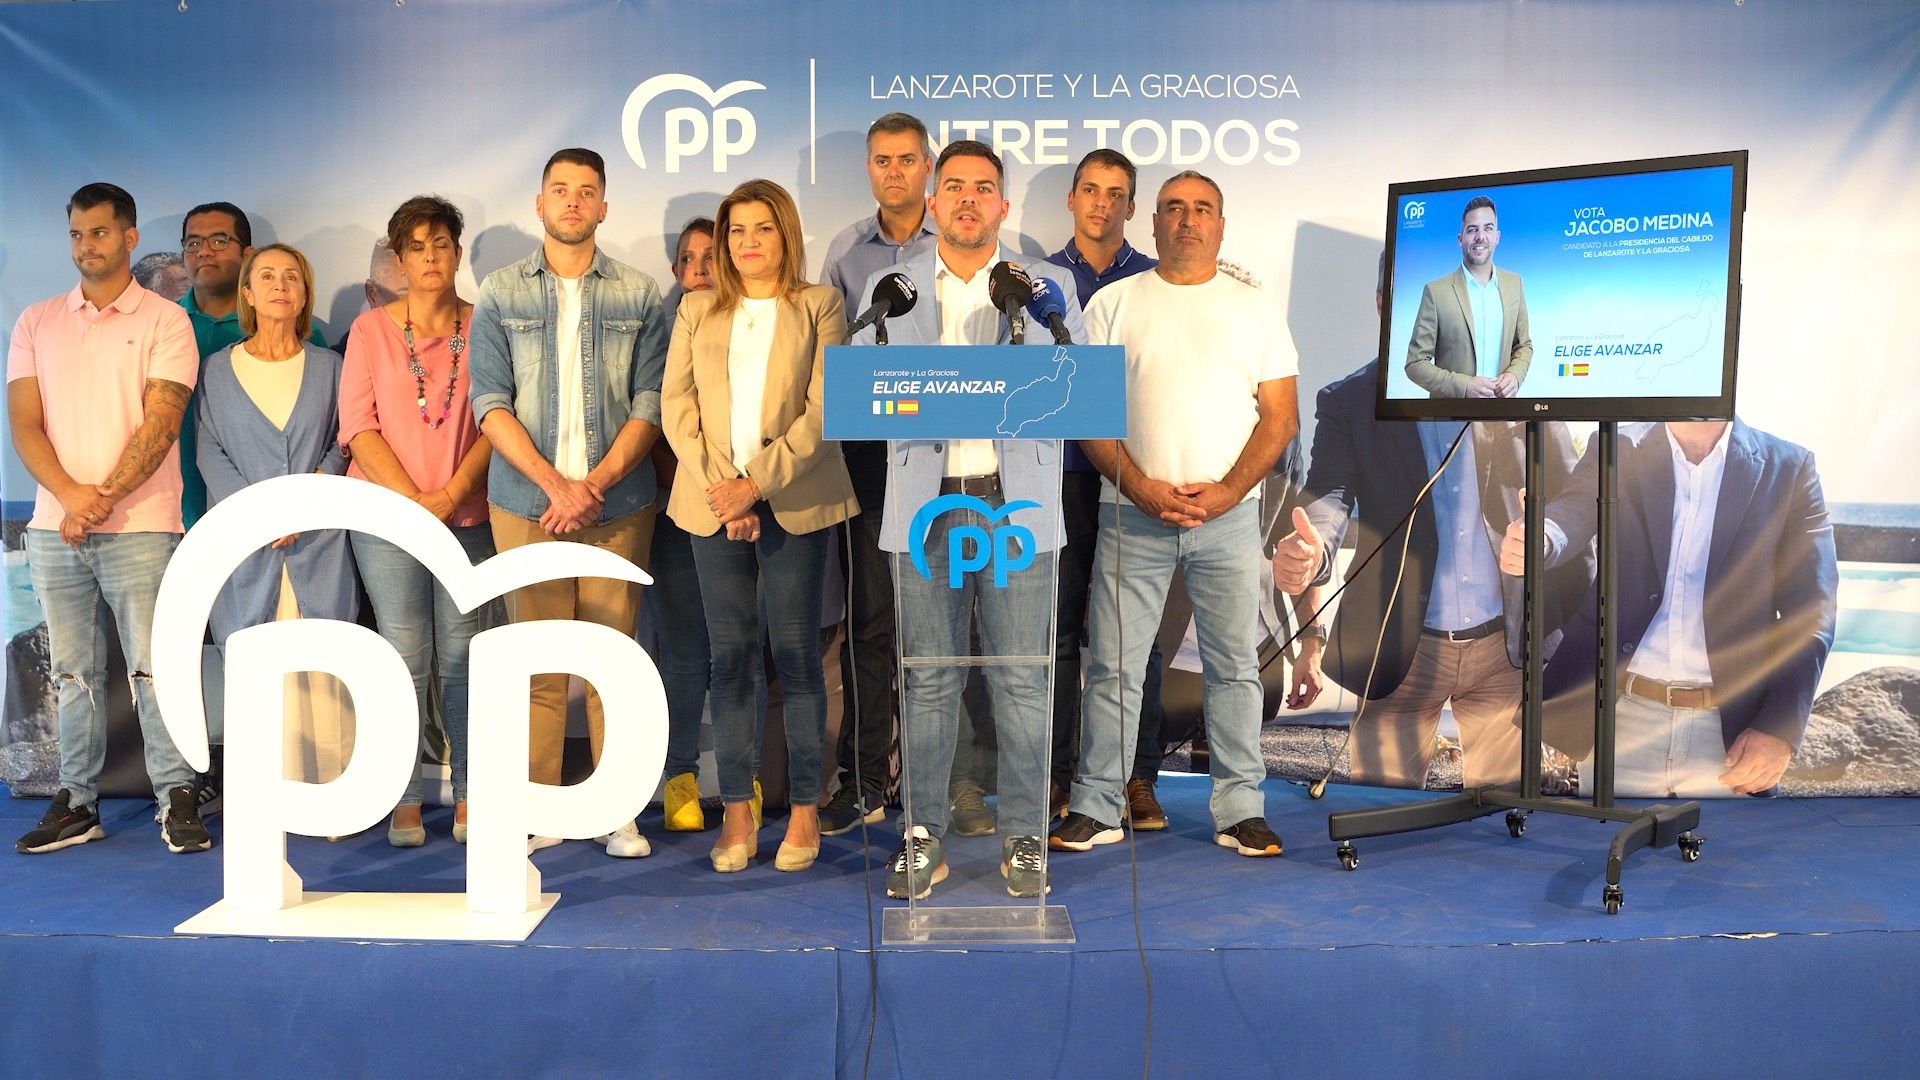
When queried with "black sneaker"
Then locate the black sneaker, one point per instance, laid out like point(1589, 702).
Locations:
point(62, 826)
point(183, 831)
point(209, 782)
point(1078, 832)
point(967, 814)
point(844, 811)
point(1023, 862)
point(917, 867)
point(1250, 837)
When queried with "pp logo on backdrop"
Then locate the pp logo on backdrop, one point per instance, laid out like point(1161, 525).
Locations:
point(724, 131)
point(262, 807)
point(1006, 548)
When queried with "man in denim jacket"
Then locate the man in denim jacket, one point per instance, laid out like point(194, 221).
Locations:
point(569, 347)
point(968, 205)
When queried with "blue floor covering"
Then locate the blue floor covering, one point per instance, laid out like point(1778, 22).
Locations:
point(1792, 948)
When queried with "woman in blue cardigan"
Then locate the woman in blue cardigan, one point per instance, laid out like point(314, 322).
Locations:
point(268, 406)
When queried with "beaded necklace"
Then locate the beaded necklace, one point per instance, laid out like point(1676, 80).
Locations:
point(456, 344)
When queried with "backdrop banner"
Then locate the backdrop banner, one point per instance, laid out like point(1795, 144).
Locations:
point(320, 118)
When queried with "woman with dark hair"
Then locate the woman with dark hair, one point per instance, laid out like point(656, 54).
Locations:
point(405, 414)
point(268, 407)
point(758, 489)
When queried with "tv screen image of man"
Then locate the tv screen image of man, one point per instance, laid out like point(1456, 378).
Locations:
point(1470, 338)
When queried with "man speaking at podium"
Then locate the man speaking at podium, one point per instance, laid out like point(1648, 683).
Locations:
point(1470, 338)
point(969, 202)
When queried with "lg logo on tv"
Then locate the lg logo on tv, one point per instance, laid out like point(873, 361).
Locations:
point(723, 132)
point(1006, 547)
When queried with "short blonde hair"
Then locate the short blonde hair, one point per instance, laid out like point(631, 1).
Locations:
point(303, 324)
point(786, 218)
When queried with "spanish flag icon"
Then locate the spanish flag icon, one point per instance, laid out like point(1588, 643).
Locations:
point(909, 407)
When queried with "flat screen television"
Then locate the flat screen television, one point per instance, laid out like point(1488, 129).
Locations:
point(1590, 292)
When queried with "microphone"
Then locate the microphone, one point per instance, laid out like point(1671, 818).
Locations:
point(1047, 309)
point(1010, 289)
point(892, 295)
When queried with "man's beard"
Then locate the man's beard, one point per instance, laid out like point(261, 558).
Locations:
point(953, 239)
point(557, 232)
point(106, 270)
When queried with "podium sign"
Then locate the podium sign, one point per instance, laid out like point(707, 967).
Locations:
point(975, 392)
point(973, 527)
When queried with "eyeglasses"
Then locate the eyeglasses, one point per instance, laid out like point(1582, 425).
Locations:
point(217, 242)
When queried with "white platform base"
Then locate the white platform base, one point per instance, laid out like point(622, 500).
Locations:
point(372, 916)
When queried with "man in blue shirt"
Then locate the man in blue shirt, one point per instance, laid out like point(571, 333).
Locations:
point(1470, 337)
point(899, 163)
point(1101, 202)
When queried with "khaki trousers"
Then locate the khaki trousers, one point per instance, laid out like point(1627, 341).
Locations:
point(1393, 744)
point(600, 600)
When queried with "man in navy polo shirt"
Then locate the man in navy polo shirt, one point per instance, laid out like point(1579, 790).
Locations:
point(1101, 202)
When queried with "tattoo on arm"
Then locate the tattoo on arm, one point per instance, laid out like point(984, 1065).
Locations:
point(165, 403)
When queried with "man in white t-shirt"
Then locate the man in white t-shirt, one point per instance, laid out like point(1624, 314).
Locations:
point(1210, 405)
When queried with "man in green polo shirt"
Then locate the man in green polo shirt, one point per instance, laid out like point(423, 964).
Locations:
point(215, 239)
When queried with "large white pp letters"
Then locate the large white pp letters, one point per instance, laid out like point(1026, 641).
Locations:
point(503, 805)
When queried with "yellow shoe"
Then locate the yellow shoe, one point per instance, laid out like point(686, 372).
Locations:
point(681, 800)
point(758, 800)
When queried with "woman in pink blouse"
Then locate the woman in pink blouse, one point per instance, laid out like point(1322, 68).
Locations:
point(405, 416)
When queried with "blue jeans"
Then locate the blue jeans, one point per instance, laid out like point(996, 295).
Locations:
point(119, 572)
point(680, 637)
point(1221, 562)
point(734, 574)
point(935, 620)
point(423, 624)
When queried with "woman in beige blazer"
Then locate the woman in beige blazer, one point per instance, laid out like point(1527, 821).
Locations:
point(758, 490)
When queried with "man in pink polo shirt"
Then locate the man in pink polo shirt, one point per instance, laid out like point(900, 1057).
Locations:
point(97, 381)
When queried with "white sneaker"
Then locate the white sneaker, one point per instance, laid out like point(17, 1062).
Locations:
point(535, 843)
point(626, 842)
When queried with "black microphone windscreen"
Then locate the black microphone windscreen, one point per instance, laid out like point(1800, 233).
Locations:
point(897, 292)
point(1008, 286)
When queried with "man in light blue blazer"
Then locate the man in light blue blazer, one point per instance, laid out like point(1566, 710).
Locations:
point(968, 205)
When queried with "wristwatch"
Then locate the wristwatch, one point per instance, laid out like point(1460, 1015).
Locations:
point(1315, 631)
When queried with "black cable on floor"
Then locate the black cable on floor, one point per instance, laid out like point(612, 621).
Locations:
point(852, 691)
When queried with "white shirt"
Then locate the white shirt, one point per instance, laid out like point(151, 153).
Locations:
point(1674, 649)
point(1196, 355)
point(747, 352)
point(274, 385)
point(570, 437)
point(967, 317)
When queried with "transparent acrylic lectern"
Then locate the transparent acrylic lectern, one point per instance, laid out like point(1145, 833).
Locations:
point(975, 439)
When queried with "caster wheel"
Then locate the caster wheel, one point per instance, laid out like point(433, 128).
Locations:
point(1516, 823)
point(1349, 858)
point(1613, 897)
point(1690, 846)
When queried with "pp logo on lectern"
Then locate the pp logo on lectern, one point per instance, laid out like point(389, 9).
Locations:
point(727, 131)
point(1006, 547)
